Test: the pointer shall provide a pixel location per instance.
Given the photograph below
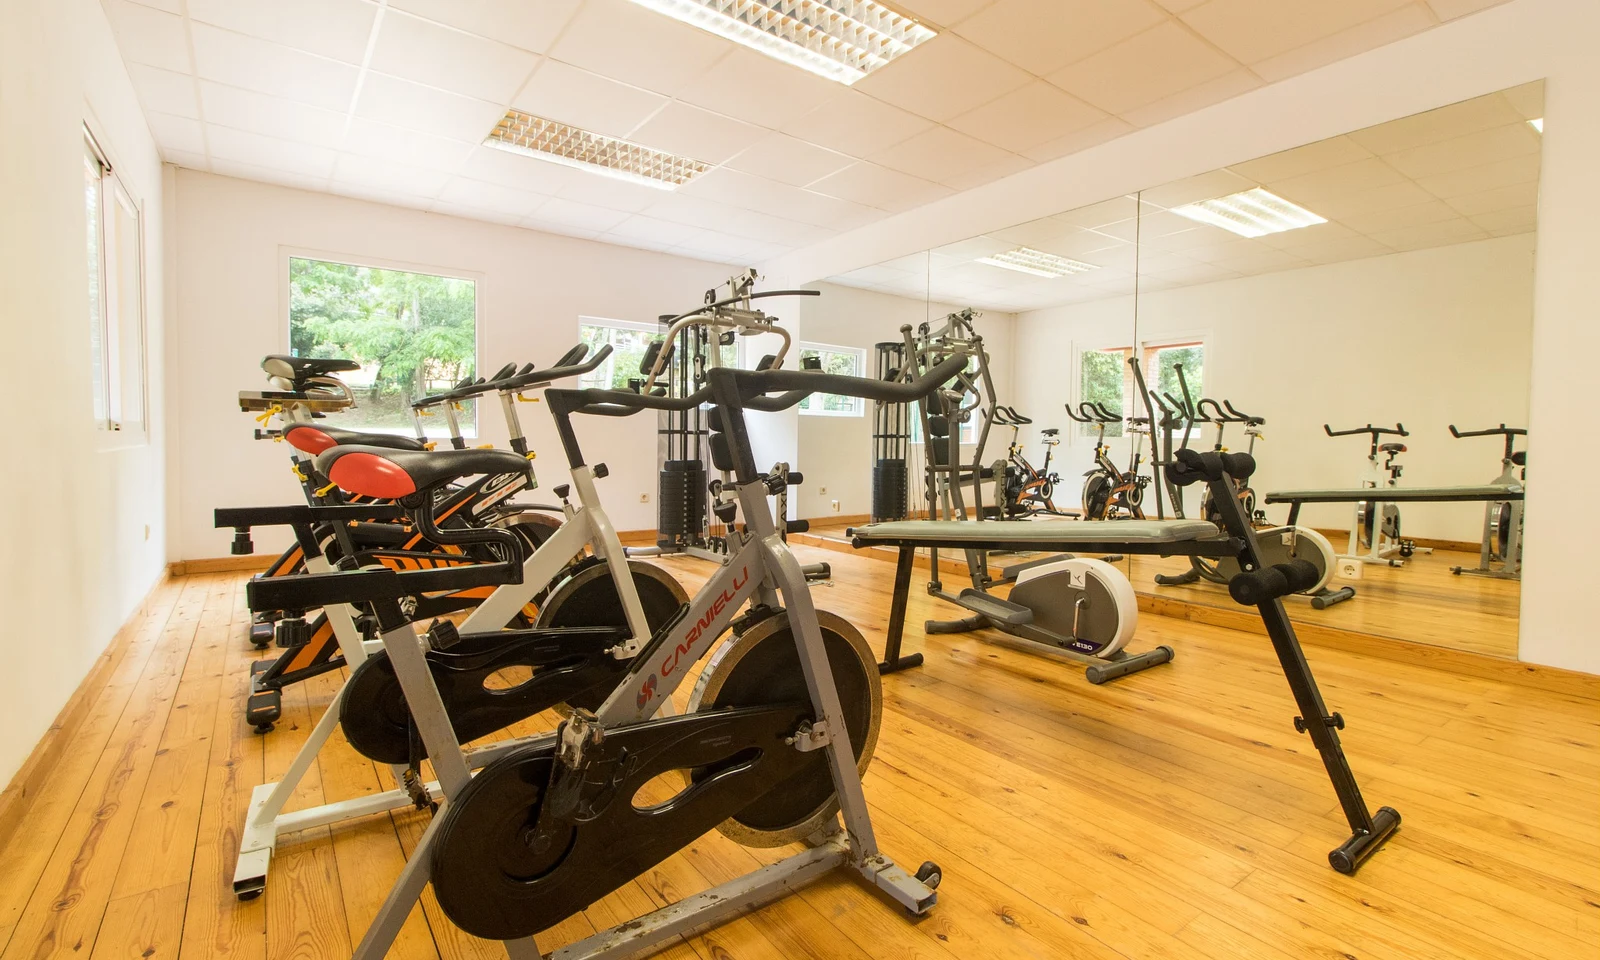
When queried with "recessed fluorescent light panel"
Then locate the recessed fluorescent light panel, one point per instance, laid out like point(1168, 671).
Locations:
point(1537, 123)
point(1037, 262)
point(842, 40)
point(1254, 213)
point(543, 139)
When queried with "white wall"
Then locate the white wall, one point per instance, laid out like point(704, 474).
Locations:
point(836, 452)
point(77, 561)
point(233, 239)
point(1427, 338)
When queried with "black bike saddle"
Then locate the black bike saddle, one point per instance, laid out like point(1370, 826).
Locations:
point(386, 473)
point(314, 439)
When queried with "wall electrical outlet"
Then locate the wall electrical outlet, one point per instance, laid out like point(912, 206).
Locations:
point(644, 498)
point(821, 491)
point(1348, 569)
point(835, 506)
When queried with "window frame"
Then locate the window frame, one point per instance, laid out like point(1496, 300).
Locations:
point(633, 326)
point(114, 429)
point(469, 426)
point(1113, 431)
point(1147, 350)
point(858, 406)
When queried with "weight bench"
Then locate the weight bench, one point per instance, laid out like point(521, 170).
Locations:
point(1258, 586)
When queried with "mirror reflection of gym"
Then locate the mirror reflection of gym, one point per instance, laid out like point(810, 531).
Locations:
point(1360, 286)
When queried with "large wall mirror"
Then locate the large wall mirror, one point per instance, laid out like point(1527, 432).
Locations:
point(1361, 286)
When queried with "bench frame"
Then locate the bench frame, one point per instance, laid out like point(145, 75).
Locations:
point(1369, 830)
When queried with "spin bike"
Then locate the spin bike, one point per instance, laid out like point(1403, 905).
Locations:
point(1279, 544)
point(1502, 519)
point(1108, 492)
point(1026, 490)
point(1376, 523)
point(781, 724)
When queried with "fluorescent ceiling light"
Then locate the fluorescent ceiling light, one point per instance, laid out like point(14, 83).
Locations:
point(1537, 123)
point(1037, 262)
point(842, 40)
point(1254, 213)
point(543, 139)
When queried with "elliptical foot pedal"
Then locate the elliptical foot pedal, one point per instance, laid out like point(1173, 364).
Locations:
point(994, 608)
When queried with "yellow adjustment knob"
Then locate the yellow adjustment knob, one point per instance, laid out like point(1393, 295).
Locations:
point(430, 445)
point(272, 411)
point(298, 473)
point(526, 399)
point(531, 455)
point(424, 413)
point(327, 490)
point(485, 446)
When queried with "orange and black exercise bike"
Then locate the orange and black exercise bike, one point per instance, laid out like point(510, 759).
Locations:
point(1026, 490)
point(1108, 492)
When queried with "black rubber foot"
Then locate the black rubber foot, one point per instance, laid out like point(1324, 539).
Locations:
point(903, 663)
point(260, 634)
point(247, 890)
point(1328, 598)
point(1104, 672)
point(1351, 854)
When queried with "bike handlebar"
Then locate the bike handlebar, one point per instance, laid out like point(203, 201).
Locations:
point(1500, 431)
point(1398, 430)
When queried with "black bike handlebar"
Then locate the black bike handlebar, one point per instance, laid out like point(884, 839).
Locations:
point(754, 383)
point(1398, 430)
point(1500, 431)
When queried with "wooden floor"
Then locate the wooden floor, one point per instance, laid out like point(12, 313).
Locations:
point(1174, 814)
point(1421, 602)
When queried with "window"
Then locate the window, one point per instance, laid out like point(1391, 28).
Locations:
point(116, 298)
point(629, 340)
point(969, 430)
point(844, 361)
point(1160, 361)
point(1104, 378)
point(414, 334)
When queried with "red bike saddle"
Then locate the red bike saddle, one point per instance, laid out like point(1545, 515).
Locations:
point(382, 472)
point(314, 438)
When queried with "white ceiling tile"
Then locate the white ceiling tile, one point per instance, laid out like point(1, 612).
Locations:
point(1527, 99)
point(557, 227)
point(574, 96)
point(1189, 239)
point(1104, 213)
point(1404, 193)
point(417, 107)
point(1101, 131)
point(710, 215)
point(330, 28)
point(1451, 9)
point(1431, 235)
point(1493, 201)
point(856, 124)
point(1386, 29)
point(979, 176)
point(1311, 189)
point(176, 133)
point(945, 13)
point(170, 6)
point(243, 147)
point(1055, 236)
point(369, 138)
point(757, 89)
point(149, 36)
point(525, 173)
point(1476, 179)
point(1253, 30)
point(1206, 186)
point(782, 158)
point(415, 49)
point(1197, 97)
point(938, 155)
point(625, 41)
point(1433, 126)
point(1042, 36)
point(1475, 149)
point(271, 116)
point(260, 174)
point(164, 91)
point(1261, 260)
point(529, 25)
point(643, 229)
point(750, 192)
point(1333, 152)
point(377, 194)
point(469, 212)
point(608, 192)
point(1027, 117)
point(1144, 68)
point(265, 67)
point(1336, 251)
point(692, 132)
point(1178, 6)
point(379, 174)
point(965, 251)
point(1503, 223)
point(490, 196)
point(879, 187)
point(1307, 236)
point(584, 216)
point(944, 77)
point(1393, 218)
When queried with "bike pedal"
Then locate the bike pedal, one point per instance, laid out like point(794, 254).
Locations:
point(263, 709)
point(261, 634)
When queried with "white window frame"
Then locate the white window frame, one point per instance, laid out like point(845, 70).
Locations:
point(469, 425)
point(1203, 340)
point(602, 376)
point(858, 406)
point(116, 430)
